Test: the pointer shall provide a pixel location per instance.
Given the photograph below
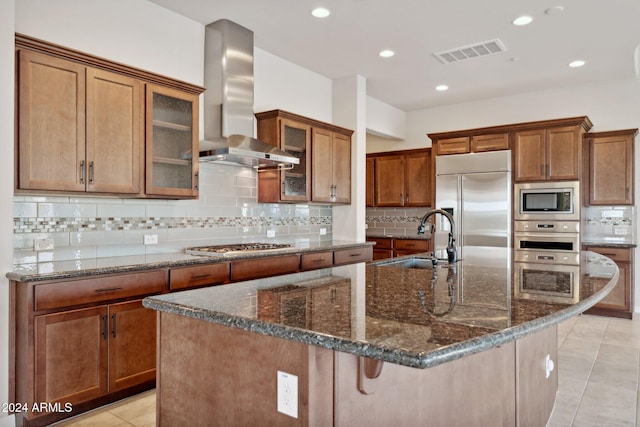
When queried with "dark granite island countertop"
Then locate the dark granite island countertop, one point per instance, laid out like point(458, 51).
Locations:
point(407, 316)
point(477, 332)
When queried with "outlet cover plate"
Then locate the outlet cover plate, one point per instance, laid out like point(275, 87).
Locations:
point(288, 394)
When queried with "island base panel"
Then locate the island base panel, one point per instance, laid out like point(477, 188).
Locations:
point(213, 375)
point(475, 390)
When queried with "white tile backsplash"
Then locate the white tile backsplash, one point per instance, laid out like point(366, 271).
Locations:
point(226, 212)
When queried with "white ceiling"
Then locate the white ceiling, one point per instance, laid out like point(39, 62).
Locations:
point(604, 33)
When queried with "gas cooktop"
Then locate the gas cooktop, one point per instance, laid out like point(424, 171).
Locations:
point(225, 250)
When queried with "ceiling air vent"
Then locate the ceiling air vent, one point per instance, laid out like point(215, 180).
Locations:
point(472, 51)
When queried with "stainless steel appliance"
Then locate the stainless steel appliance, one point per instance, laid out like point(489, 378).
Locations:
point(476, 190)
point(235, 249)
point(547, 201)
point(557, 283)
point(228, 102)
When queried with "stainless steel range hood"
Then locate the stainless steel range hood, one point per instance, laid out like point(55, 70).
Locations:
point(228, 101)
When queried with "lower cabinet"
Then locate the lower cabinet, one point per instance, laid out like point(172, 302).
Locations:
point(389, 247)
point(619, 302)
point(86, 353)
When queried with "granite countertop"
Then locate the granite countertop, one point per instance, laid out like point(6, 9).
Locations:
point(398, 236)
point(407, 316)
point(609, 244)
point(111, 265)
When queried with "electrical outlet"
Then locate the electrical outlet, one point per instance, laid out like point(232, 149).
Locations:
point(288, 394)
point(620, 231)
point(323, 231)
point(150, 239)
point(43, 244)
point(271, 233)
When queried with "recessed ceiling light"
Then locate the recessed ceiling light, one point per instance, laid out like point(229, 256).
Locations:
point(576, 64)
point(522, 20)
point(386, 53)
point(555, 10)
point(442, 88)
point(320, 12)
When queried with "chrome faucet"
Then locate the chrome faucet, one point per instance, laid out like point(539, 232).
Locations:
point(452, 255)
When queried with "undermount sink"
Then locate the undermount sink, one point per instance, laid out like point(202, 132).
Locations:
point(416, 263)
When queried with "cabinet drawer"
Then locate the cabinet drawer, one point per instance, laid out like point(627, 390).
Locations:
point(411, 245)
point(247, 269)
point(316, 260)
point(188, 277)
point(85, 291)
point(454, 146)
point(381, 242)
point(350, 256)
point(616, 254)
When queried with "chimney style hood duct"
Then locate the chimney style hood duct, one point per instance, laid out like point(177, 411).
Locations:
point(228, 101)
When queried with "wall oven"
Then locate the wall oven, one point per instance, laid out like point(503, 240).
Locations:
point(547, 260)
point(558, 201)
point(556, 283)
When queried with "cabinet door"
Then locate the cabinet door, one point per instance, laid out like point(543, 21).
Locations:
point(322, 167)
point(114, 133)
point(389, 179)
point(295, 139)
point(71, 355)
point(529, 156)
point(132, 344)
point(563, 148)
point(341, 168)
point(51, 123)
point(480, 143)
point(611, 170)
point(417, 179)
point(454, 146)
point(171, 142)
point(370, 182)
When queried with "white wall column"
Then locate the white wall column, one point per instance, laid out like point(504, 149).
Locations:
point(349, 111)
point(7, 43)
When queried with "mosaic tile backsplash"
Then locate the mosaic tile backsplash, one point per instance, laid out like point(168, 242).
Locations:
point(394, 221)
point(609, 224)
point(226, 212)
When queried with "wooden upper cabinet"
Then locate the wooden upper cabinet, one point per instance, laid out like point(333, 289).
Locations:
point(470, 143)
point(492, 142)
point(389, 180)
point(417, 172)
point(81, 126)
point(529, 159)
point(172, 142)
point(460, 145)
point(610, 167)
point(51, 123)
point(552, 152)
point(115, 137)
point(401, 178)
point(370, 182)
point(324, 150)
point(331, 167)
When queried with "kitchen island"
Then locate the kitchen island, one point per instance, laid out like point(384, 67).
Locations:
point(395, 342)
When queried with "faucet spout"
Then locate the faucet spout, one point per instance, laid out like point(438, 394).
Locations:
point(452, 255)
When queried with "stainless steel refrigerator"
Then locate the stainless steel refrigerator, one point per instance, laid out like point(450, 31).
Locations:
point(476, 189)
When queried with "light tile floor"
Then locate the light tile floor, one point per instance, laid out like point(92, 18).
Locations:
point(598, 367)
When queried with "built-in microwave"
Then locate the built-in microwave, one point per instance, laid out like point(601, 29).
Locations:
point(547, 201)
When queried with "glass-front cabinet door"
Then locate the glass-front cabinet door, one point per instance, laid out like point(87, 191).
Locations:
point(296, 140)
point(172, 141)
